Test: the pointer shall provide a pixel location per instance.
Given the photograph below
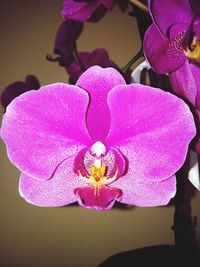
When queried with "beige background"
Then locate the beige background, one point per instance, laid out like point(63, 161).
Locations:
point(69, 236)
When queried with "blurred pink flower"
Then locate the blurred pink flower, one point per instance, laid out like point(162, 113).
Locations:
point(83, 10)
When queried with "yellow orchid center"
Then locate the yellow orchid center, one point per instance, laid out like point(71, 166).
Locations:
point(193, 53)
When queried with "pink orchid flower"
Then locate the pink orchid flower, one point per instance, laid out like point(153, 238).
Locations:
point(97, 142)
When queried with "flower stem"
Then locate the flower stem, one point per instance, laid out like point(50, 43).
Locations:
point(78, 60)
point(132, 61)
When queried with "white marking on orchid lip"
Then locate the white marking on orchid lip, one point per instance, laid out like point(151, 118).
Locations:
point(97, 162)
point(98, 149)
point(112, 179)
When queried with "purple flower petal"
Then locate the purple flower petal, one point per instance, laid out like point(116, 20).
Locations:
point(17, 88)
point(98, 57)
point(108, 3)
point(164, 55)
point(196, 27)
point(145, 193)
point(57, 191)
point(102, 199)
point(81, 11)
point(65, 39)
point(183, 82)
point(43, 128)
point(98, 82)
point(152, 132)
point(167, 13)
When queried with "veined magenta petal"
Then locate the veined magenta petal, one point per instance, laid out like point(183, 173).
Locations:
point(55, 192)
point(98, 82)
point(81, 11)
point(167, 13)
point(42, 128)
point(103, 199)
point(163, 55)
point(153, 131)
point(184, 83)
point(143, 192)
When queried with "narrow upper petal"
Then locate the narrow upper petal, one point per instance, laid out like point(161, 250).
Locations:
point(42, 128)
point(153, 131)
point(57, 191)
point(145, 193)
point(98, 82)
point(164, 55)
point(81, 11)
point(167, 13)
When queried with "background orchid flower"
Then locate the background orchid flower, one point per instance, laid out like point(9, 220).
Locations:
point(65, 41)
point(97, 142)
point(17, 88)
point(86, 60)
point(84, 10)
point(172, 45)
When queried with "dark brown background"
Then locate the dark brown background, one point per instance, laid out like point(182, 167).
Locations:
point(69, 236)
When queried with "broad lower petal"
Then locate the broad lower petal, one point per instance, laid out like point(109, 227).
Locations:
point(167, 13)
point(153, 131)
point(42, 128)
point(55, 192)
point(143, 192)
point(98, 82)
point(99, 199)
point(79, 10)
point(164, 55)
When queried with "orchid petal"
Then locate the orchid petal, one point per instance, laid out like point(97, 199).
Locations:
point(167, 13)
point(196, 26)
point(17, 88)
point(143, 192)
point(98, 57)
point(79, 10)
point(152, 132)
point(55, 192)
point(163, 55)
point(108, 3)
point(98, 82)
point(42, 128)
point(66, 37)
point(184, 83)
point(101, 199)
